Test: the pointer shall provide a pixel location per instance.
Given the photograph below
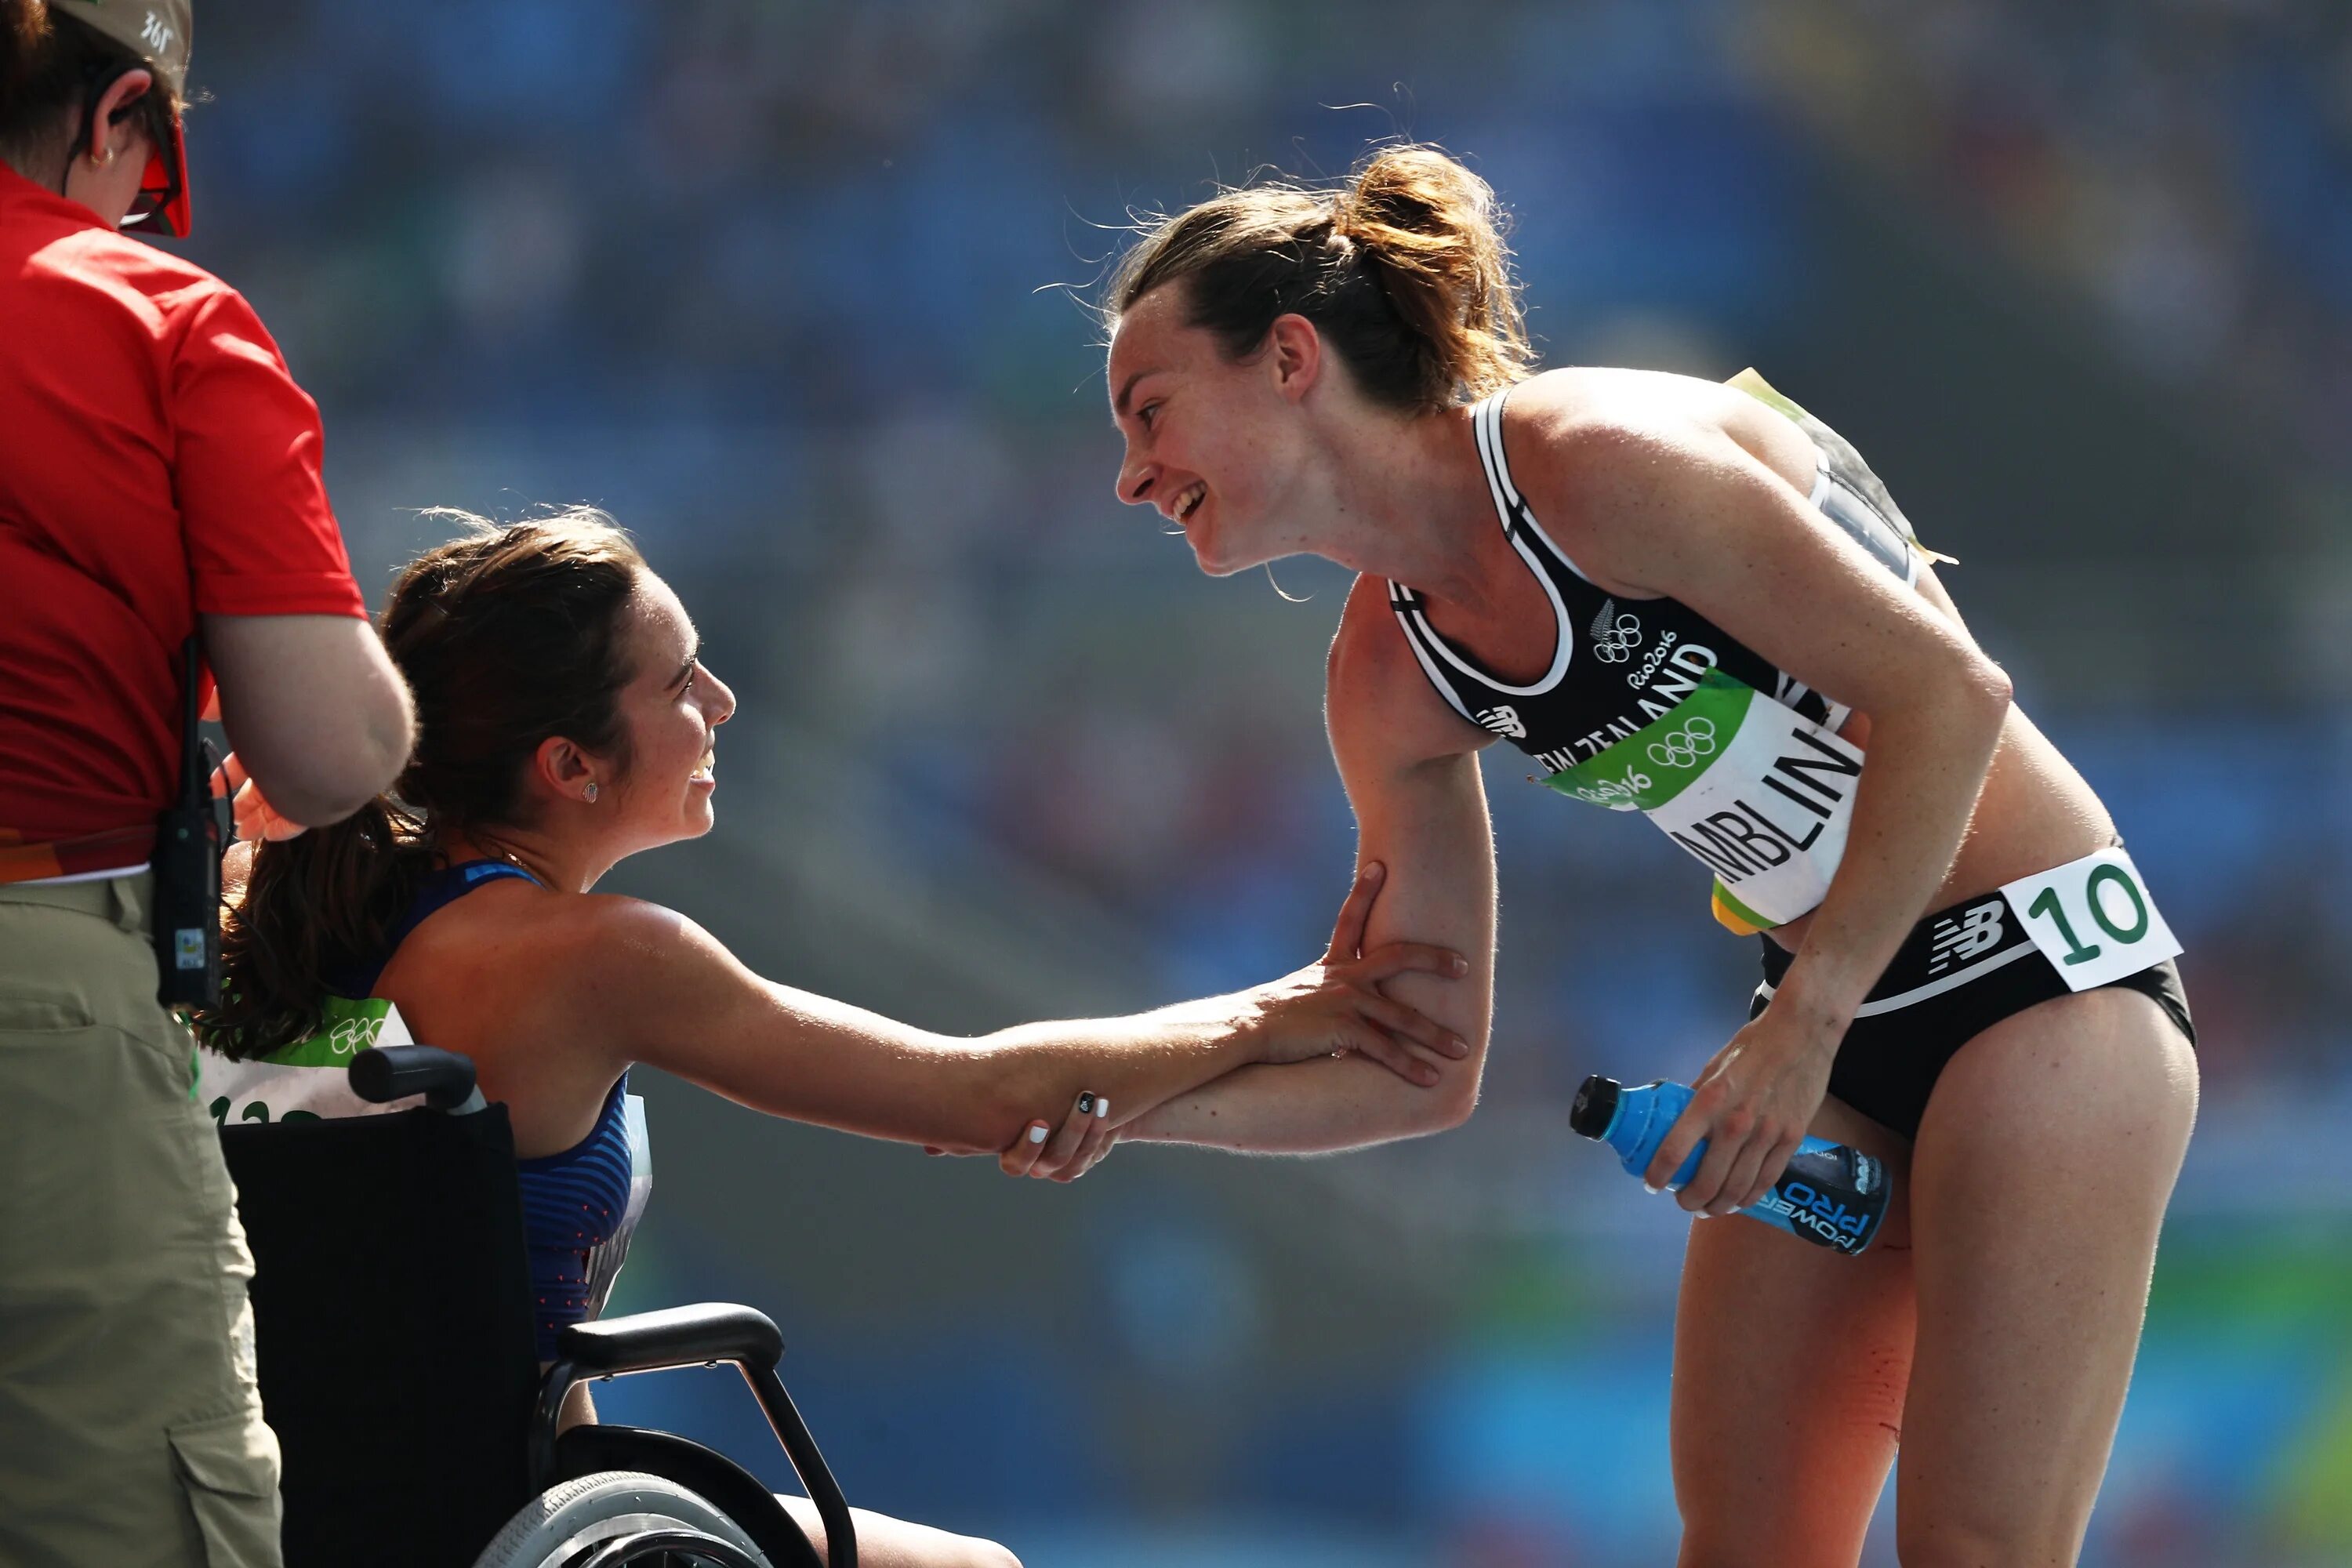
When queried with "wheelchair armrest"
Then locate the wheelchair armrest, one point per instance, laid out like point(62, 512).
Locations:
point(690, 1336)
point(382, 1074)
point(673, 1336)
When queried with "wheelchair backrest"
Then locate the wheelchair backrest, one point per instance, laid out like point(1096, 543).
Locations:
point(392, 1315)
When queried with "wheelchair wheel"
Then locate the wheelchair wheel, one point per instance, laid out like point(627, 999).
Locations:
point(620, 1517)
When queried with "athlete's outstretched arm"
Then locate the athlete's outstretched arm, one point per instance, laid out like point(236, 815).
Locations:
point(650, 985)
point(1411, 769)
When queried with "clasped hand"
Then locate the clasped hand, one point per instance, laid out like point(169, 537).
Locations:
point(1752, 1104)
point(1333, 1006)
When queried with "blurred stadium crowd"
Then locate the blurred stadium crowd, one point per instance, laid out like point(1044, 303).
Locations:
point(2182, 166)
point(790, 289)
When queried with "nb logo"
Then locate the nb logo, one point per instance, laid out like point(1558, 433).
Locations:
point(1614, 637)
point(1975, 932)
point(1504, 721)
point(1684, 746)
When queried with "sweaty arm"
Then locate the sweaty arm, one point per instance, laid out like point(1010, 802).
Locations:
point(653, 986)
point(1411, 768)
point(318, 715)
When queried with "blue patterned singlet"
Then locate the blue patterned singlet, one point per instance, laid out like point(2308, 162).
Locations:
point(576, 1206)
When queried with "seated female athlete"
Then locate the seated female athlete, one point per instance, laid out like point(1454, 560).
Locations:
point(565, 720)
point(1696, 601)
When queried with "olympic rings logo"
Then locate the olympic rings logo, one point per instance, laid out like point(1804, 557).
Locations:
point(1686, 746)
point(1613, 643)
point(351, 1036)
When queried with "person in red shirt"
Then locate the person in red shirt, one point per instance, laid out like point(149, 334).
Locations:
point(158, 479)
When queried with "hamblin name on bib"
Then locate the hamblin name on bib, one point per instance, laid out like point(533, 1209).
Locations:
point(1755, 792)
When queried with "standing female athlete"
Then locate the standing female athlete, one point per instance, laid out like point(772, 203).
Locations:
point(1696, 601)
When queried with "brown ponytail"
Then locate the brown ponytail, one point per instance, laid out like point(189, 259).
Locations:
point(1401, 268)
point(507, 637)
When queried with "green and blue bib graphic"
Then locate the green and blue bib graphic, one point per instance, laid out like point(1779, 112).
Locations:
point(1751, 789)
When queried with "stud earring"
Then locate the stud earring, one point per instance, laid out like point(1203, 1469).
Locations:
point(591, 792)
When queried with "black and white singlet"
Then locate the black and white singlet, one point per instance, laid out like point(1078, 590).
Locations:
point(1650, 705)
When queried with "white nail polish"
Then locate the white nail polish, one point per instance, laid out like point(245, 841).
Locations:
point(1649, 1189)
point(1102, 1108)
point(1037, 1135)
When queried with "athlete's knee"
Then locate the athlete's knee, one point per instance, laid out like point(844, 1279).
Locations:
point(1926, 1537)
point(943, 1549)
point(979, 1553)
point(1752, 1548)
point(1705, 1549)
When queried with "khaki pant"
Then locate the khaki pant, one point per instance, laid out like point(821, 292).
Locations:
point(130, 1428)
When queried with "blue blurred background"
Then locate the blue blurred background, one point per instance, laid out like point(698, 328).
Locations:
point(783, 285)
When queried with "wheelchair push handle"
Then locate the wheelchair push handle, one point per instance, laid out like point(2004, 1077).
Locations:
point(383, 1074)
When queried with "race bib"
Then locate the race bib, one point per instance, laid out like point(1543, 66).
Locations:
point(1750, 789)
point(310, 1079)
point(2093, 919)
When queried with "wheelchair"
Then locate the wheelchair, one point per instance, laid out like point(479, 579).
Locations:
point(391, 1302)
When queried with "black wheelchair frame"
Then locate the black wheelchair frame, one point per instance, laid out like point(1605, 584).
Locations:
point(396, 1360)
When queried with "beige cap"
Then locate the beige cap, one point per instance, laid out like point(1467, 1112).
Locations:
point(159, 31)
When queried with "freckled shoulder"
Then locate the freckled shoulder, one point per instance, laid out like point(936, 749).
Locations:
point(515, 936)
point(1607, 460)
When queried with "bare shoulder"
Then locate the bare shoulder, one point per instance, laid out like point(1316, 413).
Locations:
point(627, 945)
point(1619, 465)
point(524, 950)
point(1377, 700)
point(1585, 431)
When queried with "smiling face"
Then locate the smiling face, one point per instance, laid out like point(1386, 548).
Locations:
point(670, 712)
point(1215, 445)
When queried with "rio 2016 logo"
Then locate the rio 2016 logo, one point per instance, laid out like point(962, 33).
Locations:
point(1681, 748)
point(1611, 792)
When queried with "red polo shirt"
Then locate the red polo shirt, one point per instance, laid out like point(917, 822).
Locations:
point(156, 462)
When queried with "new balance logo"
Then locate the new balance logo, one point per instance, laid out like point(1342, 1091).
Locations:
point(1503, 721)
point(1614, 637)
point(1975, 933)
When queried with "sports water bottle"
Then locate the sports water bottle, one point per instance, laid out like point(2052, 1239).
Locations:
point(1830, 1194)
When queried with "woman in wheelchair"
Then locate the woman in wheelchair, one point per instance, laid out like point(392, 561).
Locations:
point(565, 720)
